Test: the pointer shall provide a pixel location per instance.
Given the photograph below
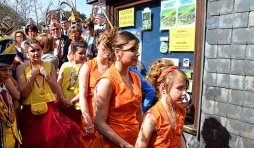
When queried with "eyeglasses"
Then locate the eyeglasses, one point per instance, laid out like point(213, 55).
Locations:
point(87, 26)
point(19, 36)
point(55, 29)
point(76, 22)
point(74, 34)
point(132, 49)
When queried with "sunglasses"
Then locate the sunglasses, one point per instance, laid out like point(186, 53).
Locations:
point(55, 29)
point(132, 49)
point(87, 26)
point(75, 22)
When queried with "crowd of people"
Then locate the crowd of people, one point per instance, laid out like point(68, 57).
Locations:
point(76, 85)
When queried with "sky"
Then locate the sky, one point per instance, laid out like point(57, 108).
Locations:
point(81, 5)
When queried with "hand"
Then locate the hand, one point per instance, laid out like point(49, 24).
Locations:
point(11, 83)
point(89, 130)
point(34, 72)
point(43, 71)
point(72, 102)
point(66, 102)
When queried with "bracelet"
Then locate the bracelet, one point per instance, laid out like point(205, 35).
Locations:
point(87, 128)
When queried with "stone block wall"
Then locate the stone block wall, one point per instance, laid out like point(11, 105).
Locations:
point(227, 102)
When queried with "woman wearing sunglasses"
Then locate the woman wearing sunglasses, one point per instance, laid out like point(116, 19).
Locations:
point(88, 26)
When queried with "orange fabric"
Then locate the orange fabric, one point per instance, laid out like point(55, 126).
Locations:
point(94, 75)
point(165, 136)
point(123, 108)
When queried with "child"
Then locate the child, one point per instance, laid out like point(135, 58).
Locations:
point(163, 123)
point(8, 125)
point(42, 125)
point(68, 80)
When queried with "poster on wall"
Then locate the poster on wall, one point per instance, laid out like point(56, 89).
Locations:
point(126, 17)
point(146, 19)
point(168, 14)
point(138, 33)
point(177, 14)
point(186, 13)
point(182, 39)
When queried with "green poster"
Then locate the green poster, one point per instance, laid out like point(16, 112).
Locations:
point(146, 19)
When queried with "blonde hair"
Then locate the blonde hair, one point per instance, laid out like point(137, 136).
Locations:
point(47, 40)
point(156, 70)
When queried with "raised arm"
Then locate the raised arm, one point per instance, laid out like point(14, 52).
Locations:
point(102, 94)
point(12, 89)
point(146, 131)
point(25, 86)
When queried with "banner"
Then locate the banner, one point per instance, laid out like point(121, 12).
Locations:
point(126, 17)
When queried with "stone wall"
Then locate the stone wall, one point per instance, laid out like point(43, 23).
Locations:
point(227, 102)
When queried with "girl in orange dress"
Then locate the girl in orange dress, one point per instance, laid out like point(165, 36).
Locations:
point(90, 72)
point(118, 96)
point(163, 123)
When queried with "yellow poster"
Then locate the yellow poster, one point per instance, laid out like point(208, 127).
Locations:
point(126, 17)
point(182, 39)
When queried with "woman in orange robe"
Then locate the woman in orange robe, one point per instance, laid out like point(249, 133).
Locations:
point(118, 96)
point(90, 72)
point(163, 123)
